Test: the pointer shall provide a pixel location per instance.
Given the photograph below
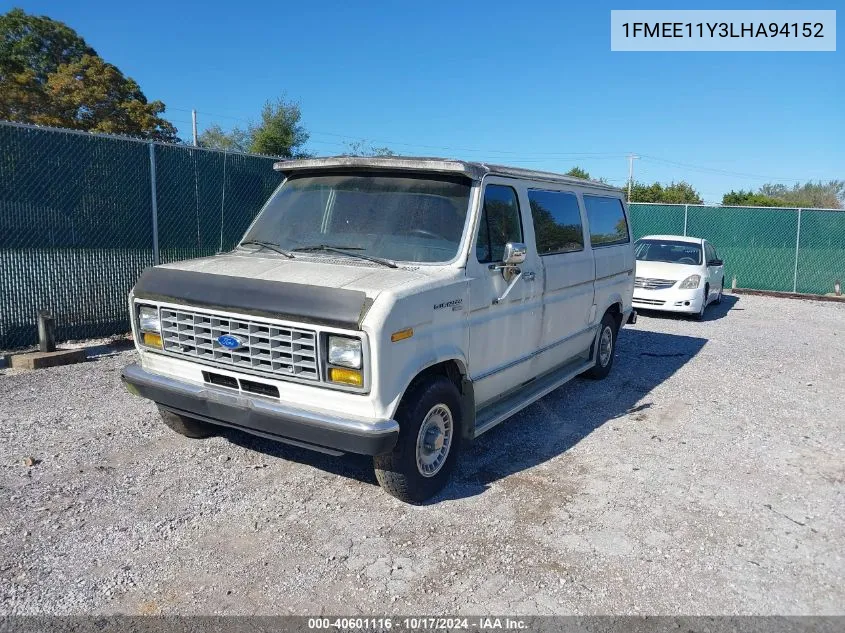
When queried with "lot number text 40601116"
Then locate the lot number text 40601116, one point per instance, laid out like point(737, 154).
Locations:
point(382, 624)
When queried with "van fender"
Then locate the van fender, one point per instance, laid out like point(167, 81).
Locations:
point(614, 299)
point(413, 370)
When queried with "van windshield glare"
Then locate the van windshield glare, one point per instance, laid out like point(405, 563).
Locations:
point(395, 216)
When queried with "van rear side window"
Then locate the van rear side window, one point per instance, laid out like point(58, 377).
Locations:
point(606, 216)
point(557, 221)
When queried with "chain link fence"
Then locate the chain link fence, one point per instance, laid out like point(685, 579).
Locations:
point(82, 215)
point(781, 249)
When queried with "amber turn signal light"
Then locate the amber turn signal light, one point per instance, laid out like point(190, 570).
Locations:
point(401, 335)
point(152, 340)
point(346, 376)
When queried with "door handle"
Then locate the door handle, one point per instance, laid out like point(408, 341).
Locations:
point(529, 276)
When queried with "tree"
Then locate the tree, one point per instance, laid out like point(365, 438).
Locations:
point(673, 193)
point(215, 137)
point(50, 76)
point(364, 148)
point(818, 195)
point(577, 172)
point(749, 199)
point(278, 133)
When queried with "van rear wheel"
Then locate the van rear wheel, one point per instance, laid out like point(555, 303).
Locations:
point(429, 439)
point(605, 348)
point(183, 425)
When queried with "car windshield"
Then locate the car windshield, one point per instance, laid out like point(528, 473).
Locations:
point(668, 251)
point(394, 216)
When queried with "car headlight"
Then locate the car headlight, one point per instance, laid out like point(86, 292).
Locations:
point(345, 352)
point(690, 282)
point(148, 320)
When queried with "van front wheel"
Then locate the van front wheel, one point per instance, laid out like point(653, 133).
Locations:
point(429, 439)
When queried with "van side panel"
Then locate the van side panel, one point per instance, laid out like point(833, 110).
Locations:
point(567, 298)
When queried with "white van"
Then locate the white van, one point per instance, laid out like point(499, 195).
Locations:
point(393, 307)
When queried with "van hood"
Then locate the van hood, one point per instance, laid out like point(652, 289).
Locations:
point(304, 289)
point(665, 270)
point(309, 270)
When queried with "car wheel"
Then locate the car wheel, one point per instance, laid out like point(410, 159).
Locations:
point(189, 427)
point(721, 292)
point(429, 440)
point(700, 315)
point(605, 348)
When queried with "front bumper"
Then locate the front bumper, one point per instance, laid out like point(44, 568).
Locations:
point(668, 300)
point(318, 430)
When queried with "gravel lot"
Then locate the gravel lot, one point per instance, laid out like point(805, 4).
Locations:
point(705, 476)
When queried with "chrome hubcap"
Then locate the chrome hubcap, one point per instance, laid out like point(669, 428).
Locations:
point(434, 440)
point(605, 346)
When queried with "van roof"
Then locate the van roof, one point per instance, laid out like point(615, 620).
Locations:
point(472, 170)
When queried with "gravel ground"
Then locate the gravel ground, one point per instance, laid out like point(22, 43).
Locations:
point(704, 476)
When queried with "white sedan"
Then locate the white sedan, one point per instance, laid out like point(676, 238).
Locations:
point(677, 274)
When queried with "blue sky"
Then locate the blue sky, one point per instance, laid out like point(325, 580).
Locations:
point(528, 83)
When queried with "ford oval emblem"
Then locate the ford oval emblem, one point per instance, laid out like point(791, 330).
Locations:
point(230, 341)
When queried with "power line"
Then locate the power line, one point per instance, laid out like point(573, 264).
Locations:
point(594, 155)
point(515, 155)
point(713, 170)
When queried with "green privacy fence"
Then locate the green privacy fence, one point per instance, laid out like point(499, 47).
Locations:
point(789, 250)
point(82, 215)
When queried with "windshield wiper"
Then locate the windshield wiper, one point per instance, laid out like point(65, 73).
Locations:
point(349, 251)
point(270, 245)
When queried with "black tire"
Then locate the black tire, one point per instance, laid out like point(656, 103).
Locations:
point(189, 427)
point(718, 299)
point(699, 316)
point(599, 369)
point(397, 471)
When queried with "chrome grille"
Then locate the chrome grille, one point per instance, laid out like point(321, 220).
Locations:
point(272, 349)
point(651, 302)
point(653, 284)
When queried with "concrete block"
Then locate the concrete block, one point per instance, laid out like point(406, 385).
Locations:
point(40, 360)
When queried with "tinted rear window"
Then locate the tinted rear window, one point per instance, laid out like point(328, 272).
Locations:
point(557, 221)
point(607, 220)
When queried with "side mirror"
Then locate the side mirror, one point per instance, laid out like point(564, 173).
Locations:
point(715, 262)
point(514, 254)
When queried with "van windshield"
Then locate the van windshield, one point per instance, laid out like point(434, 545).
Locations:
point(668, 251)
point(396, 216)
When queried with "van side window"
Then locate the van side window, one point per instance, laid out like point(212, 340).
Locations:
point(607, 221)
point(557, 221)
point(499, 224)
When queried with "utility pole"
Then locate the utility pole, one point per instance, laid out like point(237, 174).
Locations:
point(631, 158)
point(194, 124)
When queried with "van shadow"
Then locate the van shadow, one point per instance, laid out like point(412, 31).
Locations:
point(714, 312)
point(546, 429)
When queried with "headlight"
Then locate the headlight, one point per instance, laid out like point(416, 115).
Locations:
point(690, 282)
point(148, 320)
point(345, 352)
point(149, 326)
